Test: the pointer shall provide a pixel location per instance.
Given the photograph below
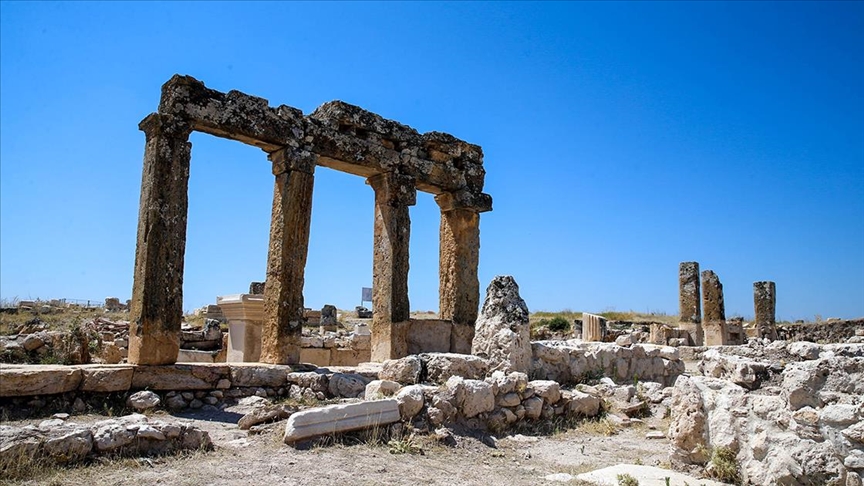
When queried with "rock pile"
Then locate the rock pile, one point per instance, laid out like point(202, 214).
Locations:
point(797, 423)
point(63, 442)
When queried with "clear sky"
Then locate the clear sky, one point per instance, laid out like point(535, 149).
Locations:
point(620, 139)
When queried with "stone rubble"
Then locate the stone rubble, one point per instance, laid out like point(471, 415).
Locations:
point(793, 424)
point(66, 442)
point(502, 332)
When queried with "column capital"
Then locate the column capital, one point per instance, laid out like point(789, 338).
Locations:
point(293, 159)
point(477, 202)
point(156, 123)
point(396, 189)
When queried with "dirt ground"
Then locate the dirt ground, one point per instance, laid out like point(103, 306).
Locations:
point(243, 459)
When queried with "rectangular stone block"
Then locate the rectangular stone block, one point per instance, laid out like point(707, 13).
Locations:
point(316, 356)
point(259, 374)
point(195, 356)
point(429, 336)
point(106, 378)
point(349, 357)
point(336, 419)
point(179, 376)
point(17, 381)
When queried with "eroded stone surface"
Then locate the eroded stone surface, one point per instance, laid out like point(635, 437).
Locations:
point(502, 331)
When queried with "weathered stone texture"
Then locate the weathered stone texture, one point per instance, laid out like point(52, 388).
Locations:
point(689, 313)
point(713, 310)
point(394, 193)
point(286, 258)
point(157, 290)
point(396, 159)
point(764, 303)
point(459, 289)
point(502, 331)
point(334, 419)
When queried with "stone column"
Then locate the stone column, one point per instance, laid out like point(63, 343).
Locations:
point(394, 193)
point(459, 257)
point(157, 289)
point(593, 327)
point(765, 302)
point(690, 318)
point(713, 310)
point(286, 257)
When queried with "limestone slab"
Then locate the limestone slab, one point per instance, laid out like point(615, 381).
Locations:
point(259, 374)
point(106, 378)
point(179, 376)
point(16, 381)
point(340, 418)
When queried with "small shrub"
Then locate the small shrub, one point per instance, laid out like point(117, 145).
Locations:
point(723, 466)
point(404, 446)
point(558, 324)
point(627, 480)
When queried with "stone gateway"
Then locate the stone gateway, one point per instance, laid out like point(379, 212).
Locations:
point(395, 160)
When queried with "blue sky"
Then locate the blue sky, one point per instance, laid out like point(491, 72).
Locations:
point(620, 139)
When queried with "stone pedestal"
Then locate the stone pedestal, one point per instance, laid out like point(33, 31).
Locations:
point(593, 327)
point(245, 314)
point(394, 193)
point(459, 288)
point(689, 313)
point(286, 257)
point(157, 289)
point(764, 303)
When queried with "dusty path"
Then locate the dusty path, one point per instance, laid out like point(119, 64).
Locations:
point(242, 459)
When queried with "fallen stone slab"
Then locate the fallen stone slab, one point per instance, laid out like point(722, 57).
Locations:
point(335, 419)
point(179, 376)
point(646, 475)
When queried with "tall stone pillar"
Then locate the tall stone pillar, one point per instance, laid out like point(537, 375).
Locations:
point(713, 310)
point(391, 311)
point(765, 302)
point(157, 289)
point(690, 318)
point(286, 257)
point(459, 286)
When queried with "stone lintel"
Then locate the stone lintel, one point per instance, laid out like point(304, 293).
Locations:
point(344, 136)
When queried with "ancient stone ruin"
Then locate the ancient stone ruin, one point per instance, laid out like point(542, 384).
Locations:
point(765, 303)
point(688, 301)
point(395, 160)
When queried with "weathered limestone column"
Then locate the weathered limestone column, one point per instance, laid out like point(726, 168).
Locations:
point(459, 257)
point(394, 193)
point(286, 257)
point(157, 289)
point(690, 318)
point(765, 302)
point(713, 310)
point(592, 327)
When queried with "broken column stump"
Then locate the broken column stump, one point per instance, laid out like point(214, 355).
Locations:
point(764, 303)
point(689, 315)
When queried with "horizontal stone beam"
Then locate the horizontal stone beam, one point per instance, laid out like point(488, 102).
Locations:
point(336, 419)
point(344, 137)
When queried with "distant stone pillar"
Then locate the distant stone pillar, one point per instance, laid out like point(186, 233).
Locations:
point(765, 302)
point(459, 257)
point(592, 327)
point(713, 310)
point(394, 193)
point(157, 289)
point(690, 318)
point(286, 256)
